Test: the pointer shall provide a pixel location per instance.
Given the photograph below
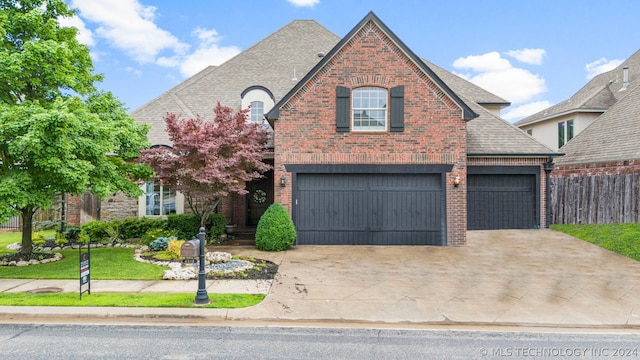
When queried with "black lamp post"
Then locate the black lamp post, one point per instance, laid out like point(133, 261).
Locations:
point(202, 298)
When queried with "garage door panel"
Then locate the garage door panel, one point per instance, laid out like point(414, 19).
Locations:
point(379, 209)
point(501, 201)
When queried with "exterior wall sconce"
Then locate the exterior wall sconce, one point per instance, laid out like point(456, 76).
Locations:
point(456, 181)
point(283, 181)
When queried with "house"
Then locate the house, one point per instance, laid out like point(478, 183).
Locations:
point(558, 124)
point(598, 178)
point(371, 144)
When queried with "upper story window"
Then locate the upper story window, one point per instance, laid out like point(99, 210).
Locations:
point(369, 109)
point(565, 132)
point(257, 111)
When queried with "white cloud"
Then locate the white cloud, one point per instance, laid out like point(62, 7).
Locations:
point(134, 71)
point(207, 53)
point(528, 56)
point(522, 111)
point(496, 74)
point(84, 35)
point(601, 65)
point(128, 25)
point(303, 3)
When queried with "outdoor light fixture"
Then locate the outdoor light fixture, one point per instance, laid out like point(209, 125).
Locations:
point(283, 181)
point(456, 181)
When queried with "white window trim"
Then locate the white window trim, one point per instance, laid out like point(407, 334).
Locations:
point(142, 204)
point(385, 109)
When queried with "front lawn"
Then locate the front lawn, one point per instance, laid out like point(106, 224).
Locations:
point(623, 239)
point(106, 264)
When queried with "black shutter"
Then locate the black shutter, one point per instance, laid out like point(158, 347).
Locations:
point(342, 109)
point(397, 109)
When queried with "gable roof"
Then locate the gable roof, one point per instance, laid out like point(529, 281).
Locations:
point(597, 95)
point(613, 136)
point(272, 63)
point(490, 135)
point(371, 17)
point(466, 88)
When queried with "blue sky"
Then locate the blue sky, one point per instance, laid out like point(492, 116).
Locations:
point(533, 53)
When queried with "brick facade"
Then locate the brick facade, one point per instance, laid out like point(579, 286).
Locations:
point(623, 167)
point(434, 131)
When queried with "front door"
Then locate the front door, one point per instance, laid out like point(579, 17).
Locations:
point(260, 197)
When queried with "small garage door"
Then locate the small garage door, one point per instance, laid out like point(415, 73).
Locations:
point(369, 209)
point(502, 201)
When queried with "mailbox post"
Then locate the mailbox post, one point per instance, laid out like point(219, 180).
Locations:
point(202, 298)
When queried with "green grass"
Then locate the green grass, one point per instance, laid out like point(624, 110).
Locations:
point(176, 300)
point(106, 264)
point(623, 239)
point(10, 237)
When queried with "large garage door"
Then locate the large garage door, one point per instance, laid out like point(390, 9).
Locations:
point(502, 201)
point(369, 209)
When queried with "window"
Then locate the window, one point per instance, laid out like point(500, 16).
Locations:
point(369, 109)
point(565, 132)
point(530, 132)
point(257, 111)
point(160, 199)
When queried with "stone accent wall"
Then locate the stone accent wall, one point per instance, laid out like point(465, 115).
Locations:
point(434, 131)
point(119, 206)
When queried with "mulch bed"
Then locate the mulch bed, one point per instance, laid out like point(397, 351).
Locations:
point(17, 257)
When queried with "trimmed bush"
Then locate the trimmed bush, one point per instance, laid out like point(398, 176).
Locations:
point(186, 226)
point(275, 231)
point(96, 230)
point(173, 248)
point(71, 233)
point(153, 234)
point(135, 228)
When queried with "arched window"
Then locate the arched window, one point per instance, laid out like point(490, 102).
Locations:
point(257, 111)
point(369, 109)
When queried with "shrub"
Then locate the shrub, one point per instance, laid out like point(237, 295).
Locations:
point(135, 228)
point(173, 248)
point(71, 233)
point(161, 243)
point(153, 234)
point(37, 238)
point(275, 231)
point(216, 224)
point(96, 230)
point(187, 226)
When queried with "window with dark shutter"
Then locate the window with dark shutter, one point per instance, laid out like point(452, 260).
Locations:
point(396, 108)
point(342, 109)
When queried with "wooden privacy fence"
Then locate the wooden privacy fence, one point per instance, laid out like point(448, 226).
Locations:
point(595, 199)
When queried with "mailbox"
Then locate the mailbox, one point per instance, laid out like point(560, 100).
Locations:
point(190, 249)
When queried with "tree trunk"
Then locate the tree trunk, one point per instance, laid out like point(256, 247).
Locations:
point(27, 225)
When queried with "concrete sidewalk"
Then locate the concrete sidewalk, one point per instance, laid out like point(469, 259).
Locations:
point(508, 277)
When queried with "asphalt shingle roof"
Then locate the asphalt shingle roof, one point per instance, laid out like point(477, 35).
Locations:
point(613, 136)
point(272, 63)
point(598, 95)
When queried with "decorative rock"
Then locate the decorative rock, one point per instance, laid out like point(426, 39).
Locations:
point(46, 248)
point(12, 263)
point(34, 262)
point(216, 257)
point(177, 272)
point(14, 246)
point(22, 263)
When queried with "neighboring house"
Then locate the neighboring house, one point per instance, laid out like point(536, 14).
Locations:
point(371, 144)
point(558, 124)
point(598, 180)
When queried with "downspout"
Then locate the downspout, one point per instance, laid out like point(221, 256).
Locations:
point(548, 167)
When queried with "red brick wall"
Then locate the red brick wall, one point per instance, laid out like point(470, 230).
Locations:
point(597, 169)
point(434, 132)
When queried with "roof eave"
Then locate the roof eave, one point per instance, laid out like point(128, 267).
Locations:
point(555, 115)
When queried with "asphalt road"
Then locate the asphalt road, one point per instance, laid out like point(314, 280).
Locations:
point(20, 341)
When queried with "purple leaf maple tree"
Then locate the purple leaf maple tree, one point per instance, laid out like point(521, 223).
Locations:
point(209, 159)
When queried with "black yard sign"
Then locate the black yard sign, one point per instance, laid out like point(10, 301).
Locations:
point(85, 278)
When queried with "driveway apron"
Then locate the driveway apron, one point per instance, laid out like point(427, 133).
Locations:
point(525, 277)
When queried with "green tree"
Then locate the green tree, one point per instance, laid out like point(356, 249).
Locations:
point(57, 133)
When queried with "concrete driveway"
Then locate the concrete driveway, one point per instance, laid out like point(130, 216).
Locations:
point(524, 277)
